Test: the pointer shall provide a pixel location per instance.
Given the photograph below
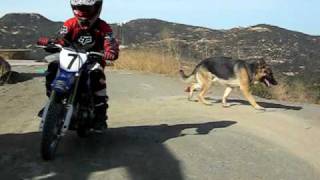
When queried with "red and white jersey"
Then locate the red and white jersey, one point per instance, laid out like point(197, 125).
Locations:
point(97, 38)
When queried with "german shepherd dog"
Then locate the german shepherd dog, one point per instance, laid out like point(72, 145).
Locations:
point(231, 73)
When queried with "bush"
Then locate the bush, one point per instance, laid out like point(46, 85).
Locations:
point(261, 91)
point(289, 89)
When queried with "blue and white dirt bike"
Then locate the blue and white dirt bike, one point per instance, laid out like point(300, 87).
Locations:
point(70, 106)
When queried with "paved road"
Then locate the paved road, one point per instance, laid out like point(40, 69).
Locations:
point(155, 133)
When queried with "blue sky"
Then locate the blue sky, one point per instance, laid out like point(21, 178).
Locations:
point(300, 15)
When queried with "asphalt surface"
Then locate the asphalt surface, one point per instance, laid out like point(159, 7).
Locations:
point(155, 133)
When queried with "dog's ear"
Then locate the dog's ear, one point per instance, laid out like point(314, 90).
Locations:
point(261, 63)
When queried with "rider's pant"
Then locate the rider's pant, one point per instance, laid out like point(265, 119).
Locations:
point(97, 83)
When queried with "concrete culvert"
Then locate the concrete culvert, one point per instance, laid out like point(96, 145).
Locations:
point(8, 76)
point(5, 71)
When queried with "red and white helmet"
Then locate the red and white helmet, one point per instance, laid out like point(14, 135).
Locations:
point(86, 11)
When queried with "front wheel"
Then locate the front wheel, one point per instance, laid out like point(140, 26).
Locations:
point(83, 131)
point(51, 129)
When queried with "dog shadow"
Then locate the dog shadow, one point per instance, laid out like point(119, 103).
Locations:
point(138, 152)
point(235, 102)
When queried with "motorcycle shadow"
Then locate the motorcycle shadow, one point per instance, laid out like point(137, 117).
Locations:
point(138, 153)
point(14, 77)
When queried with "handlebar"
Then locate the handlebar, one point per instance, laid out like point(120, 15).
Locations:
point(61, 47)
point(95, 53)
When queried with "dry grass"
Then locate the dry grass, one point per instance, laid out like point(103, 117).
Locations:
point(148, 61)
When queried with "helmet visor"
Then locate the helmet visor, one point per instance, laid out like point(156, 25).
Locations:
point(84, 11)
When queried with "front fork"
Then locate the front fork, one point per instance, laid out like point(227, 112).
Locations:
point(69, 108)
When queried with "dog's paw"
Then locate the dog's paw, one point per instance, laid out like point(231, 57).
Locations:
point(207, 103)
point(202, 100)
point(192, 100)
point(226, 105)
point(259, 108)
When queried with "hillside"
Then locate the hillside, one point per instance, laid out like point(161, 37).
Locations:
point(292, 53)
point(21, 30)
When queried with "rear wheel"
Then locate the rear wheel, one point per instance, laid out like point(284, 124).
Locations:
point(51, 129)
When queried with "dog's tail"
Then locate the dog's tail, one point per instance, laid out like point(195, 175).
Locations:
point(191, 77)
point(187, 78)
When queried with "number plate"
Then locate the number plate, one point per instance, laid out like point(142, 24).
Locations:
point(71, 61)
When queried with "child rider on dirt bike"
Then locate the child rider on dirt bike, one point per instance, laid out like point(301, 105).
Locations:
point(87, 31)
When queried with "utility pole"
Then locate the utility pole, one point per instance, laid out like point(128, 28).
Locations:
point(120, 33)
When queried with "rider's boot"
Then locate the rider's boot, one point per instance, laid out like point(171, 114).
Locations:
point(100, 110)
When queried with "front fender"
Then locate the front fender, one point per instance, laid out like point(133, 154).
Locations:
point(63, 82)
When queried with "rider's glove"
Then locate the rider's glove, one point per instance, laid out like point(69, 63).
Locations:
point(43, 41)
point(110, 55)
point(111, 46)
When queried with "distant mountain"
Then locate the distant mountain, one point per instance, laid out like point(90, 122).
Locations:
point(22, 30)
point(292, 53)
